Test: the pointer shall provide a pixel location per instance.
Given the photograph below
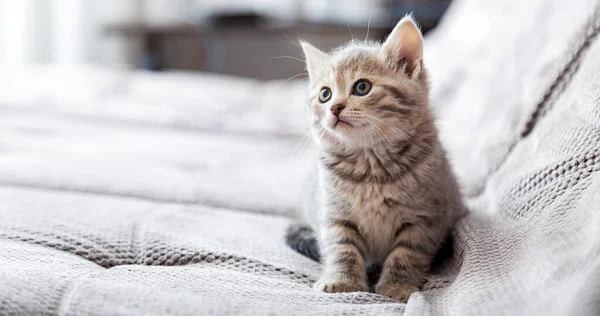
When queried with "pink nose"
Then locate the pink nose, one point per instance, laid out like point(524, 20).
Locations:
point(337, 109)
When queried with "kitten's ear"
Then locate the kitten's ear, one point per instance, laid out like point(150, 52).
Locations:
point(314, 57)
point(403, 48)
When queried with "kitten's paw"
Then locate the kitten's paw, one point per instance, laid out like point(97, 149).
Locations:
point(338, 285)
point(400, 292)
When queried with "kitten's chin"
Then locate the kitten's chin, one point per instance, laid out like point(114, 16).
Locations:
point(339, 126)
point(343, 134)
point(349, 138)
point(342, 130)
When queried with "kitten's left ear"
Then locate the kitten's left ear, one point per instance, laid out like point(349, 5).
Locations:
point(403, 48)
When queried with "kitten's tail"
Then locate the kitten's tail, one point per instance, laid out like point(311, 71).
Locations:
point(301, 238)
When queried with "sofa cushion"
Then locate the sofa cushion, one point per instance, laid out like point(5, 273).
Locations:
point(88, 154)
point(492, 65)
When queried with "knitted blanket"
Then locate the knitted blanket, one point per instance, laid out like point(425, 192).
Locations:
point(154, 194)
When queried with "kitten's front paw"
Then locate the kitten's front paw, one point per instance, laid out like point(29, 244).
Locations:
point(339, 285)
point(400, 292)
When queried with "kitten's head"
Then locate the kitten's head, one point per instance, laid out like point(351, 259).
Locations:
point(365, 93)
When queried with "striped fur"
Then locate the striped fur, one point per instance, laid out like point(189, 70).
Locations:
point(383, 191)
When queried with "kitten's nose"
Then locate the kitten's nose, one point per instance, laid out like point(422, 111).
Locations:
point(337, 108)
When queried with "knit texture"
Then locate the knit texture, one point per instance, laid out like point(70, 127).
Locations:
point(107, 210)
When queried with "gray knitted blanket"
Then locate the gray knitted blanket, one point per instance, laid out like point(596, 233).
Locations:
point(145, 194)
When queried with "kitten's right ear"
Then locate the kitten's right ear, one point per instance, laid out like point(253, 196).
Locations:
point(315, 58)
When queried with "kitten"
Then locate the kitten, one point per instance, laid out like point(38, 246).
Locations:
point(383, 191)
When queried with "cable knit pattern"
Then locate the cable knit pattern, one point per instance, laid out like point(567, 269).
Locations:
point(101, 215)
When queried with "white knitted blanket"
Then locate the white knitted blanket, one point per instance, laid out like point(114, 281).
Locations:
point(129, 193)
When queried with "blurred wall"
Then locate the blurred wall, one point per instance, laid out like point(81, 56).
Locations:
point(65, 31)
point(118, 51)
point(71, 31)
point(24, 33)
point(2, 31)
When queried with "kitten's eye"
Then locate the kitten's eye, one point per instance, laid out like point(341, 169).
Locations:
point(362, 87)
point(324, 95)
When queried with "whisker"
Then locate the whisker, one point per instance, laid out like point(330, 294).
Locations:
point(292, 77)
point(297, 75)
point(289, 57)
point(379, 130)
point(395, 129)
point(349, 29)
point(323, 133)
point(361, 136)
point(301, 144)
point(369, 21)
point(382, 133)
point(406, 108)
point(293, 42)
point(382, 121)
point(371, 116)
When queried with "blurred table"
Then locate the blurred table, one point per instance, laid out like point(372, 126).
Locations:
point(250, 47)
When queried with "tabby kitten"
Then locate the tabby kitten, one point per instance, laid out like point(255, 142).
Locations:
point(383, 191)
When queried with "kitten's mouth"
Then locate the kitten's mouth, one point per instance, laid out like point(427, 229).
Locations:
point(341, 123)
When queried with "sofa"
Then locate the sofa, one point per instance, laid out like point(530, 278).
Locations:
point(125, 192)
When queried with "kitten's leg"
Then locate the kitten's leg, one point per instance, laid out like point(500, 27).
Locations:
point(344, 251)
point(406, 265)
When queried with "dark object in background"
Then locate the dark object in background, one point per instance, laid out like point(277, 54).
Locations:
point(248, 44)
point(427, 12)
point(238, 19)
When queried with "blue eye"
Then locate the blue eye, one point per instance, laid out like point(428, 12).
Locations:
point(324, 95)
point(362, 87)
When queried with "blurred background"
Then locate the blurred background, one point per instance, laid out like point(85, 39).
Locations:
point(249, 38)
